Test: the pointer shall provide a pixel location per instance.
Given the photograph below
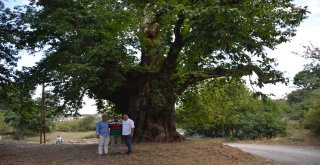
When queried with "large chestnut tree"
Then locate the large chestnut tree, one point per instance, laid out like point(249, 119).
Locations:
point(140, 55)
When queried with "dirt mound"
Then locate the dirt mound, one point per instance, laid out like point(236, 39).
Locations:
point(186, 152)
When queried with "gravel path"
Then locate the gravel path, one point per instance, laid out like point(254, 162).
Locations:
point(288, 155)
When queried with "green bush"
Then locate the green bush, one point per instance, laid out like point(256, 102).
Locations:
point(67, 126)
point(85, 124)
point(4, 127)
point(220, 109)
point(312, 120)
point(260, 124)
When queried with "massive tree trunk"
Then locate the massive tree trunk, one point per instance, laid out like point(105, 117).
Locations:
point(147, 94)
point(152, 107)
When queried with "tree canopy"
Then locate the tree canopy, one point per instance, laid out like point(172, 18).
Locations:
point(8, 37)
point(223, 108)
point(95, 46)
point(309, 77)
point(141, 55)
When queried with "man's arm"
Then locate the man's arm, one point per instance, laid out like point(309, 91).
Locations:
point(132, 127)
point(97, 130)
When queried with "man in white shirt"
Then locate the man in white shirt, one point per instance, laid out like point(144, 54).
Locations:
point(127, 132)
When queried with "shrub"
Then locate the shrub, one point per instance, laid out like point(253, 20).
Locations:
point(67, 126)
point(312, 121)
point(260, 124)
point(4, 127)
point(85, 124)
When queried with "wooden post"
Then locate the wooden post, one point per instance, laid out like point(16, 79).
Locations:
point(44, 114)
point(42, 117)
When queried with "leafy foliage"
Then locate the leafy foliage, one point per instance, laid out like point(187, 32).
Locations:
point(305, 101)
point(264, 121)
point(8, 41)
point(92, 46)
point(88, 123)
point(221, 109)
point(4, 127)
point(140, 56)
point(311, 120)
point(25, 120)
point(22, 112)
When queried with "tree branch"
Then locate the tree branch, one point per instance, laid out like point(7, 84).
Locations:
point(192, 78)
point(264, 77)
point(170, 63)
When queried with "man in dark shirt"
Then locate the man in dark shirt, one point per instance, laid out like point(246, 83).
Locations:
point(115, 135)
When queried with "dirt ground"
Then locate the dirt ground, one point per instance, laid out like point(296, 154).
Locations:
point(187, 152)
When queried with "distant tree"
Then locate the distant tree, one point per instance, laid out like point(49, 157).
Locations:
point(309, 78)
point(88, 123)
point(22, 112)
point(311, 118)
point(24, 117)
point(220, 109)
point(261, 119)
point(306, 101)
point(212, 108)
point(283, 105)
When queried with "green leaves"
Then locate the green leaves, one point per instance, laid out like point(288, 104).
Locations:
point(311, 120)
point(309, 77)
point(100, 48)
point(212, 106)
point(8, 39)
point(305, 101)
point(226, 108)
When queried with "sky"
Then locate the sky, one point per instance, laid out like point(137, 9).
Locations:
point(289, 63)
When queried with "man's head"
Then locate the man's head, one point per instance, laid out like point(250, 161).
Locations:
point(104, 117)
point(115, 118)
point(125, 117)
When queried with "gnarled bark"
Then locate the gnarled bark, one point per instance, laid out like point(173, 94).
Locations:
point(151, 106)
